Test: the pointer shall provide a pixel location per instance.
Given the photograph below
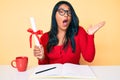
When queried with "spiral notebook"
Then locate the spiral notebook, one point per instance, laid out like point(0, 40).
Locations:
point(67, 70)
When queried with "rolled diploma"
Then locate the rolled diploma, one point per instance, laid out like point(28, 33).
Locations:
point(34, 29)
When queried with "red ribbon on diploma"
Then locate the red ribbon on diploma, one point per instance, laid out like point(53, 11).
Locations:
point(39, 32)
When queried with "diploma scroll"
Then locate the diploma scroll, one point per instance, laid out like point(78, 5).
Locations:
point(34, 29)
point(35, 37)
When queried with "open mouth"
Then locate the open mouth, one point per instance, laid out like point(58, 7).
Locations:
point(65, 22)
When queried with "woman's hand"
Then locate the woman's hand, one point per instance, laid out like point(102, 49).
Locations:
point(95, 28)
point(39, 52)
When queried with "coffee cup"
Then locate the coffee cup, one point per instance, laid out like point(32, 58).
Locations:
point(20, 63)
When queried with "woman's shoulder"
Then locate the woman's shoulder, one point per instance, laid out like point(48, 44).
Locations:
point(45, 35)
point(44, 38)
point(81, 29)
point(81, 33)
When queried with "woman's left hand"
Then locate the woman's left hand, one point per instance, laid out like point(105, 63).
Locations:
point(95, 28)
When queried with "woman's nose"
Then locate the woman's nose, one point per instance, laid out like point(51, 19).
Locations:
point(66, 14)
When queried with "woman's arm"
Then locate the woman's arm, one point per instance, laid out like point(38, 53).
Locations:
point(87, 41)
point(40, 52)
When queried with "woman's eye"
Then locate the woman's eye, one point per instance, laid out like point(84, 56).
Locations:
point(61, 11)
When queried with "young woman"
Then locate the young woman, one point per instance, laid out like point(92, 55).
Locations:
point(66, 40)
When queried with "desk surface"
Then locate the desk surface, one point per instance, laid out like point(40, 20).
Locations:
point(102, 73)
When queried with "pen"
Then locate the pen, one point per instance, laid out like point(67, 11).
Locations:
point(45, 70)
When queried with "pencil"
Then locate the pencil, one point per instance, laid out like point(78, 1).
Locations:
point(45, 70)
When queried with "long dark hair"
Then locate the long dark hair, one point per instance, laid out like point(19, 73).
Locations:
point(71, 31)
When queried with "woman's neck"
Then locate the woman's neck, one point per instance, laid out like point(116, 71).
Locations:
point(61, 37)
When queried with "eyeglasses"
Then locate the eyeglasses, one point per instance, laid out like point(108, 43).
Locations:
point(62, 12)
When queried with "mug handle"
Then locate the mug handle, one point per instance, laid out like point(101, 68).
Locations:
point(13, 64)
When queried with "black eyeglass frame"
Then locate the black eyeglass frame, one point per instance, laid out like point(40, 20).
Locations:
point(65, 11)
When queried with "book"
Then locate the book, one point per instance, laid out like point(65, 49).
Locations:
point(67, 70)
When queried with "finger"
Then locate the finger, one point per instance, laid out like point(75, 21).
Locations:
point(90, 25)
point(37, 54)
point(36, 47)
point(101, 24)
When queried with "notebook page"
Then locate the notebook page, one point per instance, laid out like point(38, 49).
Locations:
point(53, 72)
point(77, 71)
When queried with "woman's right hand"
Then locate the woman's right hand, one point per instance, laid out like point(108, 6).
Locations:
point(38, 52)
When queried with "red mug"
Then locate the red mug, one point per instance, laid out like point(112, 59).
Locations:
point(21, 63)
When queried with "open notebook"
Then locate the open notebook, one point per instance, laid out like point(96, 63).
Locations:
point(66, 70)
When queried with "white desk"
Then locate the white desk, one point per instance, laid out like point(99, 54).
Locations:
point(102, 73)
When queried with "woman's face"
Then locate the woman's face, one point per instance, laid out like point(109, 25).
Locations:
point(63, 17)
